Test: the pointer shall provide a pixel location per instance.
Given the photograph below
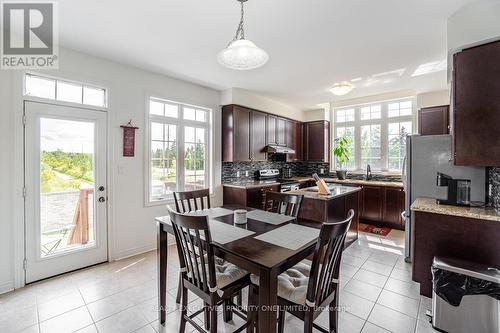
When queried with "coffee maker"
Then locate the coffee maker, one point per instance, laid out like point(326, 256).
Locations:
point(458, 190)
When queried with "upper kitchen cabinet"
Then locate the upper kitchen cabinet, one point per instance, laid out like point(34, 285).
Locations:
point(476, 110)
point(243, 134)
point(434, 120)
point(276, 130)
point(317, 141)
point(294, 140)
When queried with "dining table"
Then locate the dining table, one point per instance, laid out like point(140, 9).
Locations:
point(266, 245)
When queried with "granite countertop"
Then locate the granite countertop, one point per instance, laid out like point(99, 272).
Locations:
point(429, 205)
point(251, 183)
point(364, 182)
point(337, 191)
point(260, 183)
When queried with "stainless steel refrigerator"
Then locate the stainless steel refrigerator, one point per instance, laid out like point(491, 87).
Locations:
point(425, 156)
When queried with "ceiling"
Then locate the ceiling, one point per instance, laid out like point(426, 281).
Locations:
point(312, 43)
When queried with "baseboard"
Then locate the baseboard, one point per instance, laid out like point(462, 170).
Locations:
point(133, 252)
point(6, 286)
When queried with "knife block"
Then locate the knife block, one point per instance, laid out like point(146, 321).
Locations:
point(322, 187)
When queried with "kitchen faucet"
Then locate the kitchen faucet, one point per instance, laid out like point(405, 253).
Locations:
point(368, 172)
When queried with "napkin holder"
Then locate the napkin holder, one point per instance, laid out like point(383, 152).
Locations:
point(322, 187)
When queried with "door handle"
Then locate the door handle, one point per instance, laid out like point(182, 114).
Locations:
point(101, 199)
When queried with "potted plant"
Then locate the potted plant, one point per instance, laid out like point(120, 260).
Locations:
point(341, 152)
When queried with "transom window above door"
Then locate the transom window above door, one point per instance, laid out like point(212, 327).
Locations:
point(64, 90)
point(179, 149)
point(377, 133)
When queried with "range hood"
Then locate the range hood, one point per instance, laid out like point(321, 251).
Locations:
point(275, 149)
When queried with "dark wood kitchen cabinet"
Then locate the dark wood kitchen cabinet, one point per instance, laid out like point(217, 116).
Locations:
point(372, 199)
point(258, 136)
point(317, 141)
point(434, 120)
point(254, 197)
point(382, 206)
point(276, 130)
point(476, 109)
point(243, 134)
point(294, 140)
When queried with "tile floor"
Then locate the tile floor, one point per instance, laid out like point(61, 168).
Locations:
point(377, 295)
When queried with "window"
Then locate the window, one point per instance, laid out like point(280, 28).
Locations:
point(64, 91)
point(378, 133)
point(179, 148)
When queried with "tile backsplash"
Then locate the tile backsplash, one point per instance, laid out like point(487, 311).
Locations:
point(494, 181)
point(230, 170)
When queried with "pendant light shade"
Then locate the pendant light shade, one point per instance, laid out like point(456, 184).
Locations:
point(241, 53)
point(342, 88)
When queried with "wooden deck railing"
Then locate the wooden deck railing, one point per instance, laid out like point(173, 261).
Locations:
point(80, 233)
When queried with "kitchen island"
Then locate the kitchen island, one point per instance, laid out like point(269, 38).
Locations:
point(318, 208)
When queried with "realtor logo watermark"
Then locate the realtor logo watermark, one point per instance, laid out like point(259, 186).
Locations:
point(29, 35)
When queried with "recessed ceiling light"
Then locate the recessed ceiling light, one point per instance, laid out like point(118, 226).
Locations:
point(430, 67)
point(342, 88)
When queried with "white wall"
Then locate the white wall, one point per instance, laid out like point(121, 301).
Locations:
point(474, 24)
point(131, 223)
point(320, 114)
point(433, 98)
point(6, 174)
point(255, 101)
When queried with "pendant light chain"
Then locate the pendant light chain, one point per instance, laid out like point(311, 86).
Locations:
point(240, 32)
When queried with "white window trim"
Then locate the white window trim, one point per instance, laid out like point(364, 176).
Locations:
point(55, 101)
point(180, 123)
point(383, 121)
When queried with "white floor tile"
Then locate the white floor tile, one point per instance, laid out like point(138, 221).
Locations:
point(67, 322)
point(385, 258)
point(15, 319)
point(146, 329)
point(371, 328)
point(392, 320)
point(355, 305)
point(60, 305)
point(370, 277)
point(424, 326)
point(123, 322)
point(401, 274)
point(88, 329)
point(409, 289)
point(376, 267)
point(362, 289)
point(400, 303)
point(348, 270)
point(352, 260)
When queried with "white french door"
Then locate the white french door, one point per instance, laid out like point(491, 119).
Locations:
point(65, 179)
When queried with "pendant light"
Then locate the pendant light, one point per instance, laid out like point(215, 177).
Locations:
point(342, 88)
point(241, 53)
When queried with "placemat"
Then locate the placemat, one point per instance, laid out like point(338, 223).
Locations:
point(290, 236)
point(268, 217)
point(212, 212)
point(223, 233)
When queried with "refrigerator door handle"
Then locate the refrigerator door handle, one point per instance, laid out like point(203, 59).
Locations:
point(403, 175)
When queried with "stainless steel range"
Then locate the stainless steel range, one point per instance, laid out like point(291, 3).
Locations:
point(286, 185)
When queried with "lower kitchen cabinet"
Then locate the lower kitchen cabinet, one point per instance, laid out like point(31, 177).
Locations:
point(382, 206)
point(254, 197)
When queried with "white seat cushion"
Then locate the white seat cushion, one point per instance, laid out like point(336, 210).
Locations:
point(225, 272)
point(292, 284)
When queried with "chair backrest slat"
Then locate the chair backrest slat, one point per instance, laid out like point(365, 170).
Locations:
point(326, 260)
point(183, 200)
point(283, 203)
point(194, 246)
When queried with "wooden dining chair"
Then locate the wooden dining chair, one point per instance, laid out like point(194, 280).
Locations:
point(186, 202)
point(192, 200)
point(305, 290)
point(213, 280)
point(283, 203)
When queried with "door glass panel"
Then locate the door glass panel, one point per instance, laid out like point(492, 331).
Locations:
point(194, 158)
point(67, 175)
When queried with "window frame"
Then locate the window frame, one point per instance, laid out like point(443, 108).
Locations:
point(384, 122)
point(180, 123)
point(57, 101)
